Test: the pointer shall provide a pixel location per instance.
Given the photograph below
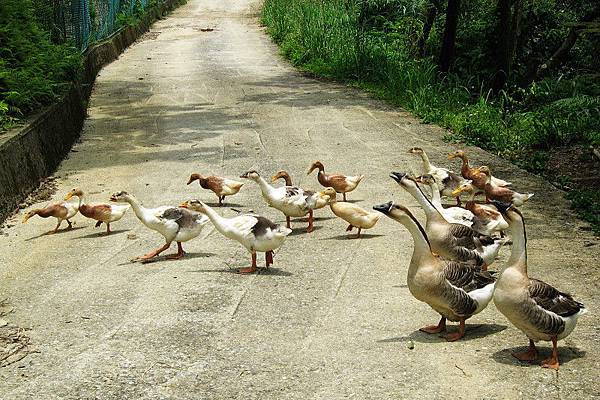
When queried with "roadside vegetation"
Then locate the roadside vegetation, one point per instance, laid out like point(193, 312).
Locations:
point(518, 78)
point(33, 70)
point(41, 43)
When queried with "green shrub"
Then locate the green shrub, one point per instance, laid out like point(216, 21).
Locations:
point(33, 71)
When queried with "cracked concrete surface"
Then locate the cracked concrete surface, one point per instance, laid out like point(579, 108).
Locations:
point(334, 318)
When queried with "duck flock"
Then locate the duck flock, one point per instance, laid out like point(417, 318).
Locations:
point(452, 250)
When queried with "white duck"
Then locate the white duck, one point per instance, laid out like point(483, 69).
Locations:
point(536, 308)
point(456, 290)
point(454, 215)
point(174, 223)
point(446, 179)
point(254, 232)
point(292, 201)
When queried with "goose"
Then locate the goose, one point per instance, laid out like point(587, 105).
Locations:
point(292, 201)
point(534, 307)
point(356, 216)
point(254, 232)
point(341, 183)
point(455, 290)
point(447, 180)
point(220, 186)
point(500, 193)
point(62, 211)
point(101, 212)
point(474, 174)
point(454, 215)
point(175, 224)
point(452, 241)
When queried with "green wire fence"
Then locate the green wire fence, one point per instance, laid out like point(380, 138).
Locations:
point(83, 22)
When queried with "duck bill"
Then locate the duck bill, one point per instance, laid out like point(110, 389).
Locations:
point(25, 219)
point(456, 192)
point(384, 208)
point(451, 156)
point(274, 178)
point(184, 205)
point(68, 196)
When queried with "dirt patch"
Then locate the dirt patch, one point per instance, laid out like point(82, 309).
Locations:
point(577, 165)
point(15, 344)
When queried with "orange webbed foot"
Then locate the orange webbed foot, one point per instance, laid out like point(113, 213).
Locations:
point(551, 363)
point(454, 336)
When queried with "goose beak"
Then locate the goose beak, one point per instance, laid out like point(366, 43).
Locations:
point(397, 176)
point(501, 206)
point(384, 208)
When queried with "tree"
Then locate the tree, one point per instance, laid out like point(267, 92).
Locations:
point(448, 50)
point(432, 10)
point(508, 30)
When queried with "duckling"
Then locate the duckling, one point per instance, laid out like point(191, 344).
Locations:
point(62, 211)
point(220, 186)
point(500, 193)
point(341, 183)
point(447, 180)
point(454, 215)
point(254, 232)
point(452, 241)
point(456, 290)
point(536, 308)
point(354, 215)
point(292, 201)
point(473, 173)
point(101, 212)
point(175, 224)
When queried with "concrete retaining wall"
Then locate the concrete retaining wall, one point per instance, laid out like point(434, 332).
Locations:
point(31, 153)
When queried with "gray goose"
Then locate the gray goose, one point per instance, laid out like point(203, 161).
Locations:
point(536, 308)
point(456, 290)
point(450, 240)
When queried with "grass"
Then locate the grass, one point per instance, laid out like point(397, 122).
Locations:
point(336, 39)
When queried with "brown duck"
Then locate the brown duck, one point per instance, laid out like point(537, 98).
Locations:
point(341, 183)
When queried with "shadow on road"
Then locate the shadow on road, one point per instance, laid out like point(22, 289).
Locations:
point(49, 233)
point(471, 332)
point(352, 236)
point(101, 234)
point(261, 271)
point(565, 354)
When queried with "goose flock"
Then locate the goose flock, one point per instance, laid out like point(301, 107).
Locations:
point(453, 249)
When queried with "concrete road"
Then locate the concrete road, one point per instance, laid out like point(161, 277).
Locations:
point(333, 319)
